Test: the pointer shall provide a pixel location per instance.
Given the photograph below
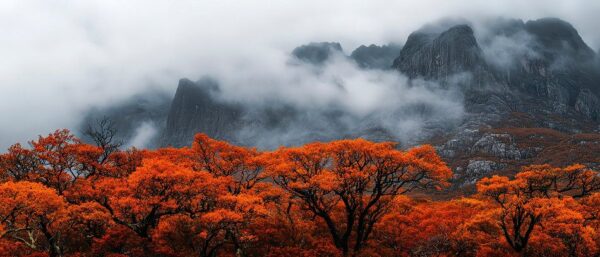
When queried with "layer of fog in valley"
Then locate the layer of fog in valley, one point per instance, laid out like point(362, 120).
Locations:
point(336, 99)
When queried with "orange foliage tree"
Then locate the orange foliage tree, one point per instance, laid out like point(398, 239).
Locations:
point(350, 184)
point(232, 172)
point(62, 197)
point(28, 213)
point(541, 196)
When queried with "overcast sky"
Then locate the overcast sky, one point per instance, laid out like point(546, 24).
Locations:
point(58, 58)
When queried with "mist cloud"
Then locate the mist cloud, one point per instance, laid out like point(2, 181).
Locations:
point(60, 58)
point(336, 98)
point(504, 51)
point(143, 135)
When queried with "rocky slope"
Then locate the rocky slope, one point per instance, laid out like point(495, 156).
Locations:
point(539, 107)
point(474, 154)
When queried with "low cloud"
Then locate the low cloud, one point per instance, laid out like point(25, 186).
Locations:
point(504, 51)
point(144, 135)
point(334, 100)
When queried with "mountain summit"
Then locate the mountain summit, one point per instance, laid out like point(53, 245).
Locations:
point(437, 56)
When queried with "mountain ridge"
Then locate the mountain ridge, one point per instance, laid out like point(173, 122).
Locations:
point(549, 78)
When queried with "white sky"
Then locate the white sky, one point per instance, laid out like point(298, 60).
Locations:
point(58, 58)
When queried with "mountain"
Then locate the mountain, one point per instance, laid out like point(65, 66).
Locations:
point(530, 91)
point(542, 108)
point(194, 108)
point(556, 37)
point(557, 74)
point(367, 57)
point(440, 55)
point(197, 108)
point(376, 57)
point(317, 52)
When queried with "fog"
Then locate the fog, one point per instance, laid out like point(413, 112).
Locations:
point(143, 135)
point(337, 99)
point(61, 58)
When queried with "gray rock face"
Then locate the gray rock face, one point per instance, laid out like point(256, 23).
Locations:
point(561, 71)
point(317, 53)
point(588, 104)
point(194, 109)
point(477, 169)
point(558, 69)
point(497, 145)
point(376, 57)
point(557, 37)
point(464, 139)
point(438, 56)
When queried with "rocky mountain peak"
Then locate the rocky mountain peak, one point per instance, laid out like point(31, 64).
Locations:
point(555, 35)
point(565, 100)
point(438, 56)
point(376, 57)
point(462, 33)
point(195, 108)
point(317, 52)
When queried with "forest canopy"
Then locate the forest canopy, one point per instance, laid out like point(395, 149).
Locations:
point(62, 197)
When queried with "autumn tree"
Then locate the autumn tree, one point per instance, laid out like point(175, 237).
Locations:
point(286, 228)
point(57, 161)
point(222, 159)
point(103, 133)
point(539, 194)
point(28, 213)
point(205, 233)
point(239, 169)
point(62, 197)
point(157, 188)
point(18, 163)
point(81, 225)
point(350, 184)
point(431, 228)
